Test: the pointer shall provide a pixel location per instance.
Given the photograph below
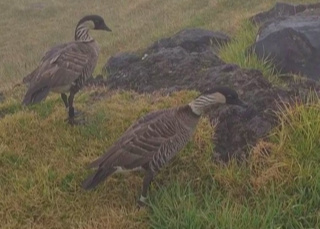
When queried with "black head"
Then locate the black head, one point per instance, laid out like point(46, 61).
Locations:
point(97, 20)
point(231, 96)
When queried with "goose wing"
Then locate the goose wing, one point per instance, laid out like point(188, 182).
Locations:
point(60, 67)
point(133, 132)
point(34, 75)
point(141, 143)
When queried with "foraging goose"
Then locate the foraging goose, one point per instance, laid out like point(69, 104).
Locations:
point(153, 140)
point(65, 68)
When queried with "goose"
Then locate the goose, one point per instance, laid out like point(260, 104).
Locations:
point(65, 67)
point(153, 140)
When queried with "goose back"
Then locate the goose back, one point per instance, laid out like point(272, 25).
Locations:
point(63, 66)
point(149, 143)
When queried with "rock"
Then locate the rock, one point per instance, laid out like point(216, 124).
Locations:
point(169, 66)
point(282, 9)
point(173, 67)
point(184, 54)
point(119, 61)
point(192, 40)
point(292, 44)
point(239, 128)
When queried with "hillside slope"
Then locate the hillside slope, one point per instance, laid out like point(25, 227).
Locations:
point(42, 159)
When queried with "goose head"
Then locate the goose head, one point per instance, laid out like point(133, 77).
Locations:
point(95, 22)
point(216, 95)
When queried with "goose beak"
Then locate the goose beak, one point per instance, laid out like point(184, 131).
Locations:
point(106, 28)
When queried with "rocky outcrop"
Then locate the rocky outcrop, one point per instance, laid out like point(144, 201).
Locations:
point(172, 63)
point(191, 40)
point(169, 65)
point(282, 9)
point(169, 68)
point(292, 42)
point(120, 61)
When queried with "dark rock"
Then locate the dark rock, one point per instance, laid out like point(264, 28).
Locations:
point(282, 9)
point(120, 61)
point(301, 85)
point(292, 43)
point(173, 67)
point(192, 40)
point(169, 66)
point(239, 128)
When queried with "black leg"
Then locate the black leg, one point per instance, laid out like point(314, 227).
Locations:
point(146, 184)
point(72, 113)
point(70, 102)
point(65, 99)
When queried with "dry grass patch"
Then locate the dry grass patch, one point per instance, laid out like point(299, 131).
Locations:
point(266, 166)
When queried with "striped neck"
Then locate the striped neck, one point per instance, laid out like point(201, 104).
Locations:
point(82, 33)
point(202, 102)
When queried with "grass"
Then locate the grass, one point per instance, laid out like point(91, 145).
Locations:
point(42, 159)
point(32, 27)
point(40, 173)
point(237, 52)
point(275, 190)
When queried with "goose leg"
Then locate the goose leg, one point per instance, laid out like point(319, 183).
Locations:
point(65, 99)
point(72, 114)
point(146, 184)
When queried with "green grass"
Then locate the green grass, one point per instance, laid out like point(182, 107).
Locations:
point(280, 190)
point(42, 159)
point(237, 52)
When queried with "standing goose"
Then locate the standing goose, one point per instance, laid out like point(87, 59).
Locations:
point(153, 140)
point(64, 68)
